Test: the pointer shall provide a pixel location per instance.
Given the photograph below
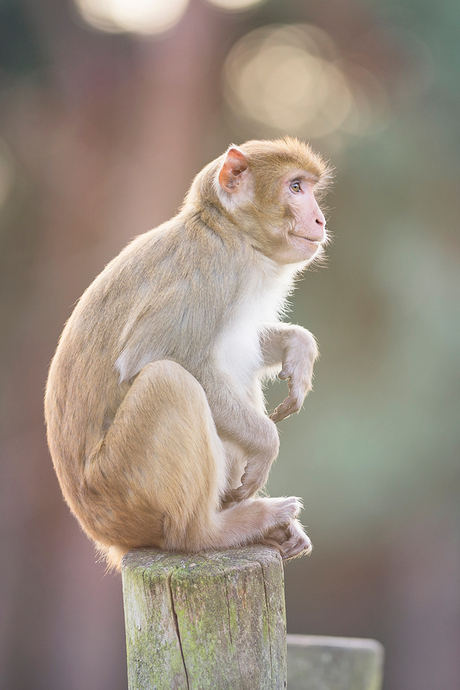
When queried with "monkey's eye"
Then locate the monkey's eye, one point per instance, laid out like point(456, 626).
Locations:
point(295, 187)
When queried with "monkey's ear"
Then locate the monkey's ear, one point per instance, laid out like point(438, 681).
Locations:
point(230, 175)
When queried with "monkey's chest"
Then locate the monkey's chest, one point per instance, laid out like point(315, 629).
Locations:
point(238, 352)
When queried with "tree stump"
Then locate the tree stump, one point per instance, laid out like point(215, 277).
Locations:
point(214, 620)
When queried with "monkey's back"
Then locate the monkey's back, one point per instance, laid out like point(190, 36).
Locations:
point(162, 297)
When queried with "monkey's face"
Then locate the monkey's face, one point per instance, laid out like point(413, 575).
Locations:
point(304, 231)
point(269, 189)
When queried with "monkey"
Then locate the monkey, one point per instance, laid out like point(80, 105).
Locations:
point(154, 405)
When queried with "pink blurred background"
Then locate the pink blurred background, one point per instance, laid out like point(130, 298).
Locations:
point(107, 110)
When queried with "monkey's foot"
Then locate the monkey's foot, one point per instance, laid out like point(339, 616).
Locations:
point(291, 541)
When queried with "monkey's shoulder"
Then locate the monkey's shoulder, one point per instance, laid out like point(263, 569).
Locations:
point(174, 250)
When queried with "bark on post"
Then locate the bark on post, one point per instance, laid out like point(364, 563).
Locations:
point(214, 620)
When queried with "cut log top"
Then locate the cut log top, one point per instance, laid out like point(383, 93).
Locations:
point(214, 620)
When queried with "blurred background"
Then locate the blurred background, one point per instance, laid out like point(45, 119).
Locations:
point(107, 110)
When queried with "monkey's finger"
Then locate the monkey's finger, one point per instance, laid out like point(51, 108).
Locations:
point(288, 402)
point(275, 417)
point(279, 414)
point(288, 406)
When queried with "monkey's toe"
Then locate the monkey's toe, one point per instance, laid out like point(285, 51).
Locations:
point(297, 542)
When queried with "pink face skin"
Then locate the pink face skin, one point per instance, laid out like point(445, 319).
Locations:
point(305, 233)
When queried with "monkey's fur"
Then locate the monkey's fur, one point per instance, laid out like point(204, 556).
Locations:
point(154, 410)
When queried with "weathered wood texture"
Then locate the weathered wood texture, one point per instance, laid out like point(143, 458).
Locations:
point(333, 663)
point(215, 620)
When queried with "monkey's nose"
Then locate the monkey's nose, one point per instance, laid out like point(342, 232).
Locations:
point(320, 226)
point(320, 219)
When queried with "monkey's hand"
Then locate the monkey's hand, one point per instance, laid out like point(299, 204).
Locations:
point(300, 353)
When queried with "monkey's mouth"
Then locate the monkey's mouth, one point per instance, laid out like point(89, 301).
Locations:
point(307, 239)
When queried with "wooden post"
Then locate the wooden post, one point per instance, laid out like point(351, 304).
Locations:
point(338, 663)
point(212, 621)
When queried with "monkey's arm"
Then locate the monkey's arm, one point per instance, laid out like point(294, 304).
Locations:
point(295, 349)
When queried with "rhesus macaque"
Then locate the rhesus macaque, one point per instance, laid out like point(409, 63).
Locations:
point(155, 414)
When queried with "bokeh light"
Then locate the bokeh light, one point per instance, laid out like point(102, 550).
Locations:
point(134, 16)
point(292, 79)
point(234, 5)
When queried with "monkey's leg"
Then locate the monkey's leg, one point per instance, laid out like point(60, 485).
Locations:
point(248, 521)
point(159, 474)
point(241, 424)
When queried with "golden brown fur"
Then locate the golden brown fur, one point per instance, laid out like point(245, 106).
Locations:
point(155, 417)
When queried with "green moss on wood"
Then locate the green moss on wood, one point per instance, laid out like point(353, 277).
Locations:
point(214, 620)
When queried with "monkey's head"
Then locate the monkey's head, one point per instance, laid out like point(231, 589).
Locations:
point(270, 189)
